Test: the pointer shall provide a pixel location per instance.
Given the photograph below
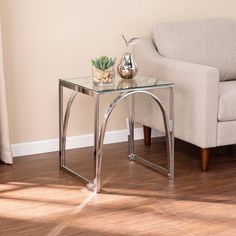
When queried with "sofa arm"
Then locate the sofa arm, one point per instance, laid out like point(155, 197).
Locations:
point(196, 94)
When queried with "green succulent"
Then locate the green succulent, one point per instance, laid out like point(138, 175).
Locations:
point(103, 62)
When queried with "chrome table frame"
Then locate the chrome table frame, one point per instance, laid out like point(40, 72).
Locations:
point(95, 184)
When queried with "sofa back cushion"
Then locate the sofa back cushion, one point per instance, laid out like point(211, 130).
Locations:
point(209, 42)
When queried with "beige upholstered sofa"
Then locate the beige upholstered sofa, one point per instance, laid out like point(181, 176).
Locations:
point(200, 58)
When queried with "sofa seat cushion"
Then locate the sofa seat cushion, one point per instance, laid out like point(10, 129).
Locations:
point(208, 42)
point(227, 101)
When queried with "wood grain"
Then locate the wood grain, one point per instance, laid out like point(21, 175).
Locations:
point(37, 199)
point(147, 131)
point(204, 158)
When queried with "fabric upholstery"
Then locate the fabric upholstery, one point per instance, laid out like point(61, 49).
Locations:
point(227, 101)
point(208, 42)
point(226, 134)
point(196, 95)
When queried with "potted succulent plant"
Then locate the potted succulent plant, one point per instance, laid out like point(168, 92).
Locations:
point(103, 70)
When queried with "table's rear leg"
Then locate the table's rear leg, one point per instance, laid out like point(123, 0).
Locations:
point(60, 124)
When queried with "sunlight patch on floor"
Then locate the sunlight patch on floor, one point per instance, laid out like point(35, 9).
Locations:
point(60, 227)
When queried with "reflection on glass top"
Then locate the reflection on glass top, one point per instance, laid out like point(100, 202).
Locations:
point(120, 84)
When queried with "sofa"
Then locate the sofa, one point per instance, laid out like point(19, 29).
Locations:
point(200, 58)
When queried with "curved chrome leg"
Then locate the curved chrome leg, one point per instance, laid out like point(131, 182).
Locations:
point(116, 101)
point(65, 126)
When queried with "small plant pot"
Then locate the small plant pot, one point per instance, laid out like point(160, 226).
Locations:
point(103, 77)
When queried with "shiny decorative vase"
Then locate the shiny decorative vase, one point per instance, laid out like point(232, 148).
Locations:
point(127, 68)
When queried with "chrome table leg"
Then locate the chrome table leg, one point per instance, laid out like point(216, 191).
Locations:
point(171, 106)
point(63, 125)
point(129, 107)
point(115, 102)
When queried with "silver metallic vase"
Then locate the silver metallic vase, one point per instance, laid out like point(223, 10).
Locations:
point(127, 67)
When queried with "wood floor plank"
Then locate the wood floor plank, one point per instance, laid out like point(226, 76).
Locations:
point(36, 198)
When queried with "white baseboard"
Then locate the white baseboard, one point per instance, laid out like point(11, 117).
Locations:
point(52, 145)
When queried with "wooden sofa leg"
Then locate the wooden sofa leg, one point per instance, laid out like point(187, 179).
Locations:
point(147, 135)
point(204, 158)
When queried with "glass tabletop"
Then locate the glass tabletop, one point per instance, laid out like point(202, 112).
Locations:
point(138, 82)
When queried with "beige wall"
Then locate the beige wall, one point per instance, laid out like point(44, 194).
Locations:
point(48, 39)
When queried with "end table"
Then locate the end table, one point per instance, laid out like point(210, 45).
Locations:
point(125, 89)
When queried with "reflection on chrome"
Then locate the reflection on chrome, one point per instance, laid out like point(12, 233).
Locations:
point(126, 83)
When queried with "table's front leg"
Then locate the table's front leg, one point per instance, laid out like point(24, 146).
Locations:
point(99, 144)
point(96, 138)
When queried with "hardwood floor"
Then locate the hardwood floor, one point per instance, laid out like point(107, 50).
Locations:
point(37, 199)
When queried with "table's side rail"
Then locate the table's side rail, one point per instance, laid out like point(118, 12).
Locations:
point(166, 86)
point(78, 88)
